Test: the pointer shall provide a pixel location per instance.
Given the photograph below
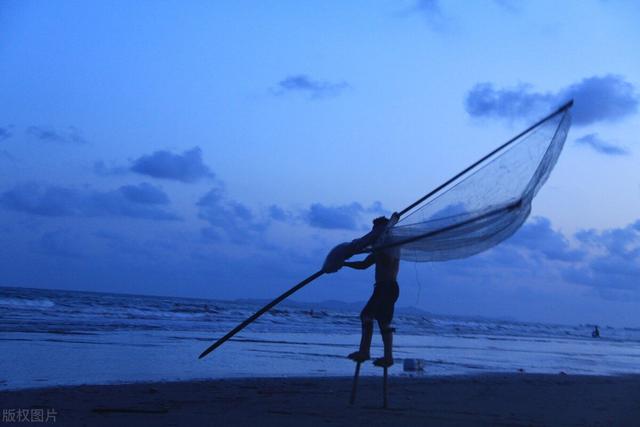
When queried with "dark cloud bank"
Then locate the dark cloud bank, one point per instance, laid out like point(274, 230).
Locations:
point(616, 267)
point(135, 201)
point(540, 238)
point(236, 221)
point(607, 261)
point(597, 99)
point(604, 261)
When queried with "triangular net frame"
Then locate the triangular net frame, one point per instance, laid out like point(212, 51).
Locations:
point(486, 203)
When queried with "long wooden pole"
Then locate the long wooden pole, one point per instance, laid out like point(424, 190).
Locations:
point(317, 274)
point(385, 388)
point(354, 386)
point(260, 312)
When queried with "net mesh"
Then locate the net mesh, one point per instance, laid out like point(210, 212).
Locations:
point(485, 205)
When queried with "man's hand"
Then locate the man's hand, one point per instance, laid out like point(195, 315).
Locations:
point(360, 265)
point(393, 220)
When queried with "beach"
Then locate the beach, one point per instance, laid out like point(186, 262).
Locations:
point(107, 359)
point(488, 399)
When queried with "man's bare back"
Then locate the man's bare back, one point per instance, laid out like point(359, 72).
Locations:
point(387, 267)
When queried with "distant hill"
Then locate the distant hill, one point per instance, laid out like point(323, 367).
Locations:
point(333, 305)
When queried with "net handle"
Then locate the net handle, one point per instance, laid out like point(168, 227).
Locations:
point(561, 109)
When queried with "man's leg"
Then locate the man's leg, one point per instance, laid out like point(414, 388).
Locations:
point(366, 317)
point(365, 341)
point(384, 317)
point(387, 340)
point(367, 334)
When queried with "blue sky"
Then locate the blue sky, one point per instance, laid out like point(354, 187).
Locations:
point(220, 150)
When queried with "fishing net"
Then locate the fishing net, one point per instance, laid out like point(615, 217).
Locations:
point(486, 203)
point(473, 211)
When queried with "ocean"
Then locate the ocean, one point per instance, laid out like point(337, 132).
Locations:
point(54, 337)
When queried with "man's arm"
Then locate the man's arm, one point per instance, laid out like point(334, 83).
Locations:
point(361, 265)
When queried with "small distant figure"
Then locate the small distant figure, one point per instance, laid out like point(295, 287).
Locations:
point(596, 332)
point(380, 306)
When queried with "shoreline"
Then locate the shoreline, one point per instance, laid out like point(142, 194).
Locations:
point(377, 372)
point(485, 399)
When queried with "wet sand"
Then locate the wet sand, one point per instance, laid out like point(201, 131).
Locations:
point(486, 400)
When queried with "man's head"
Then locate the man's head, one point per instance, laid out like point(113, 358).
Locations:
point(381, 221)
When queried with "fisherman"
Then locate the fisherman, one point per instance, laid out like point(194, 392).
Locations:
point(596, 332)
point(385, 292)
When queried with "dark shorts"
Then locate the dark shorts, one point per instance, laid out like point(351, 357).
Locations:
point(380, 305)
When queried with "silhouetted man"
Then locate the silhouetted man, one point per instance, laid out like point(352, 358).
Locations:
point(385, 292)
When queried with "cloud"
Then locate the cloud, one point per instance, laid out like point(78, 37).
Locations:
point(511, 6)
point(301, 83)
point(595, 142)
point(603, 263)
point(484, 101)
point(623, 242)
point(535, 250)
point(232, 220)
point(431, 12)
point(227, 218)
point(4, 133)
point(613, 277)
point(50, 201)
point(334, 217)
point(101, 169)
point(597, 99)
point(141, 201)
point(607, 98)
point(144, 193)
point(606, 262)
point(428, 7)
point(48, 134)
point(186, 167)
point(613, 267)
point(345, 217)
point(279, 214)
point(538, 237)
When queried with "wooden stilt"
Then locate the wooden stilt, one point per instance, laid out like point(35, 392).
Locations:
point(385, 388)
point(352, 400)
